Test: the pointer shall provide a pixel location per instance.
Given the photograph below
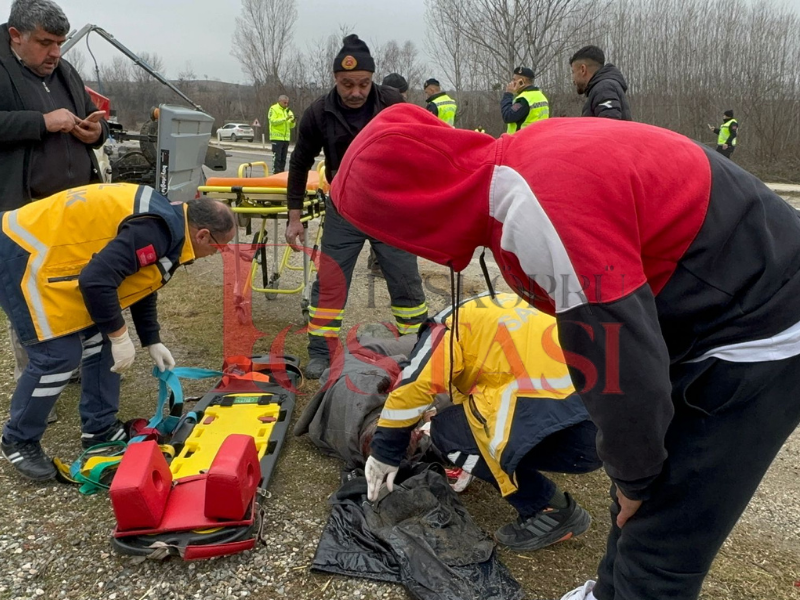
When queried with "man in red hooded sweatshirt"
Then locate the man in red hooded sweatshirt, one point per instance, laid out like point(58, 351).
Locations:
point(675, 279)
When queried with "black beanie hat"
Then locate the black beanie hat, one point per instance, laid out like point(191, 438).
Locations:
point(728, 113)
point(396, 81)
point(354, 56)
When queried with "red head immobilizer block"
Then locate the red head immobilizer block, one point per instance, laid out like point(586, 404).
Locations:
point(140, 487)
point(232, 479)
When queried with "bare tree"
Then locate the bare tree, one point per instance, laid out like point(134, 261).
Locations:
point(446, 43)
point(186, 79)
point(264, 33)
point(78, 61)
point(681, 72)
point(394, 58)
point(479, 42)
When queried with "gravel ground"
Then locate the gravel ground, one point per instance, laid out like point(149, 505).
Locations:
point(56, 542)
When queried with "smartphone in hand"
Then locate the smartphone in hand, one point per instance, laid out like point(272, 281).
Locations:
point(95, 116)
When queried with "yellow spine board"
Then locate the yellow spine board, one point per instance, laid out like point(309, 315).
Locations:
point(218, 423)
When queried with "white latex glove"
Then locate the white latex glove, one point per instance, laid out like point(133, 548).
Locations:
point(123, 352)
point(376, 472)
point(162, 357)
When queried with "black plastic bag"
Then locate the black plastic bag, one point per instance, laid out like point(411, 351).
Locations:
point(420, 536)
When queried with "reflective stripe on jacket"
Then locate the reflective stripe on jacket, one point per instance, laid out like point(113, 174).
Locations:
point(447, 108)
point(538, 109)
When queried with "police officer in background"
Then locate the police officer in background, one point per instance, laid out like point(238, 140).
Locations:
point(726, 134)
point(330, 124)
point(64, 286)
point(439, 103)
point(281, 122)
point(523, 103)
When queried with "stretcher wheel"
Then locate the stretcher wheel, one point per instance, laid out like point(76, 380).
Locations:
point(273, 283)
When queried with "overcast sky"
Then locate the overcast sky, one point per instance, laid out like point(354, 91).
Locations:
point(198, 32)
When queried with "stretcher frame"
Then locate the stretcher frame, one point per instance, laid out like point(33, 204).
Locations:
point(269, 203)
point(234, 537)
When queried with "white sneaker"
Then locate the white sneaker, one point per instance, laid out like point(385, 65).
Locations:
point(582, 593)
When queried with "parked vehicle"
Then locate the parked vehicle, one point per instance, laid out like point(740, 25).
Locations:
point(235, 132)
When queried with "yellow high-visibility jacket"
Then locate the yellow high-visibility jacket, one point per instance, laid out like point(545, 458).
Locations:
point(281, 122)
point(506, 353)
point(45, 245)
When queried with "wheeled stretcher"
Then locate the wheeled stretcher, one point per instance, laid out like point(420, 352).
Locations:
point(202, 497)
point(265, 198)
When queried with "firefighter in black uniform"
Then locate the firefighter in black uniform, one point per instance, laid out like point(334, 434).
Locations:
point(330, 124)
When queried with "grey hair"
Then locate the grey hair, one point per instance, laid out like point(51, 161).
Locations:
point(27, 15)
point(207, 213)
point(283, 97)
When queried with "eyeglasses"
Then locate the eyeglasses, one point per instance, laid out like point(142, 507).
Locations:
point(222, 247)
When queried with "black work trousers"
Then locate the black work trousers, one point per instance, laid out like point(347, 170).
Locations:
point(279, 152)
point(730, 421)
point(726, 152)
point(341, 245)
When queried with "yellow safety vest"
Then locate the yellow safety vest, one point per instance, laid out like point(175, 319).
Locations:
point(280, 123)
point(505, 349)
point(539, 109)
point(59, 235)
point(446, 108)
point(725, 133)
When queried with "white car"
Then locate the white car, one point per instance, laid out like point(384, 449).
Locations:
point(235, 132)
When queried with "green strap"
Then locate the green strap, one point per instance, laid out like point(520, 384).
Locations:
point(168, 381)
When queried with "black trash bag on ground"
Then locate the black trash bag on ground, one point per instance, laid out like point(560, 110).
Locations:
point(420, 536)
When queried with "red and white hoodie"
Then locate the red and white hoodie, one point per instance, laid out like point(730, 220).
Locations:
point(649, 249)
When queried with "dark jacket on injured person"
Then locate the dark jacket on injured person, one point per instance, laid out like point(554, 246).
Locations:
point(340, 419)
point(645, 262)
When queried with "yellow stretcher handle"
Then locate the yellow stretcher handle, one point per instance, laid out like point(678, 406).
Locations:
point(258, 163)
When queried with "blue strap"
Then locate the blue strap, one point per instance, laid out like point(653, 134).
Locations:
point(170, 380)
point(167, 381)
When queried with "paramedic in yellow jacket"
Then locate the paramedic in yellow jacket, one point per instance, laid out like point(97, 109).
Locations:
point(69, 265)
point(515, 413)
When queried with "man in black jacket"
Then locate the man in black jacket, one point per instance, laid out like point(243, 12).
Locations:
point(48, 124)
point(330, 124)
point(602, 83)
